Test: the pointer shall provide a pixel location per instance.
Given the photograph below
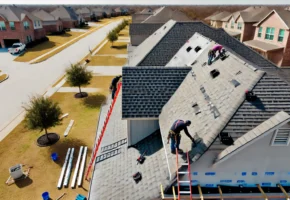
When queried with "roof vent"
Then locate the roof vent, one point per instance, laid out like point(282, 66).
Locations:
point(226, 139)
point(188, 49)
point(196, 108)
point(235, 82)
point(250, 96)
point(164, 27)
point(197, 49)
point(214, 73)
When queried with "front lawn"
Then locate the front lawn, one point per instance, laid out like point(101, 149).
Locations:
point(96, 82)
point(117, 48)
point(54, 42)
point(20, 147)
point(106, 61)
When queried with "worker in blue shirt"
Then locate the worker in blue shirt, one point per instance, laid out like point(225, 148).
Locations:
point(175, 136)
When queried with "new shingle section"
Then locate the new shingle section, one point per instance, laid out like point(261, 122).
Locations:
point(147, 89)
point(255, 133)
point(182, 31)
point(144, 29)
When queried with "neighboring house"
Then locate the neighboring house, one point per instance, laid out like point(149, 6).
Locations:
point(67, 15)
point(49, 22)
point(85, 13)
point(216, 19)
point(240, 24)
point(100, 13)
point(118, 11)
point(168, 79)
point(18, 25)
point(272, 37)
point(140, 31)
point(143, 15)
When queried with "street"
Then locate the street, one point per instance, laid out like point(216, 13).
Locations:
point(26, 79)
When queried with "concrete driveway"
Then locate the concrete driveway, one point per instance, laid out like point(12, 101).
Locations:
point(26, 80)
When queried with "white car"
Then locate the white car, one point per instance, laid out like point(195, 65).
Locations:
point(16, 48)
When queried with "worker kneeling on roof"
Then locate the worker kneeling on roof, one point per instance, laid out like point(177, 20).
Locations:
point(175, 136)
point(212, 52)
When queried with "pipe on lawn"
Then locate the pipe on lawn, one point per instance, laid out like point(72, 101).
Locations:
point(81, 172)
point(63, 169)
point(73, 183)
point(69, 168)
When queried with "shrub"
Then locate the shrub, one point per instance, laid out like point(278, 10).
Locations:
point(36, 42)
point(112, 37)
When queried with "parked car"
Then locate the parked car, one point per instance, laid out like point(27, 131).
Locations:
point(16, 48)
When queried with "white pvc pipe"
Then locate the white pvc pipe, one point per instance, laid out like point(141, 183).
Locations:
point(73, 183)
point(69, 167)
point(63, 170)
point(81, 172)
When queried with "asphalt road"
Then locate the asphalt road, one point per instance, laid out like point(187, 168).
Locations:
point(26, 80)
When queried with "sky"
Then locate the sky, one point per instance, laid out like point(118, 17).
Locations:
point(147, 2)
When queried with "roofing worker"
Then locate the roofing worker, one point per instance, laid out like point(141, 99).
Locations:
point(218, 48)
point(211, 55)
point(113, 86)
point(212, 52)
point(175, 135)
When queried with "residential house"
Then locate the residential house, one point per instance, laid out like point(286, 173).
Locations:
point(18, 25)
point(85, 13)
point(240, 140)
point(140, 31)
point(240, 24)
point(139, 17)
point(118, 11)
point(272, 37)
point(67, 15)
point(100, 13)
point(216, 19)
point(50, 23)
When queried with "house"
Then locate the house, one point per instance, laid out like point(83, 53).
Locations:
point(67, 15)
point(240, 24)
point(85, 13)
point(18, 25)
point(140, 31)
point(100, 13)
point(139, 17)
point(50, 23)
point(118, 11)
point(272, 37)
point(216, 19)
point(240, 140)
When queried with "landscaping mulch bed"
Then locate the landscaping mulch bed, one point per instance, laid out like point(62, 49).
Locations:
point(81, 95)
point(42, 141)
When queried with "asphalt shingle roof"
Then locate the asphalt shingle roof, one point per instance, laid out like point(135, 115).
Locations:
point(147, 89)
point(144, 29)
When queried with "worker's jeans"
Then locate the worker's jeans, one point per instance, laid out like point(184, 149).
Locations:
point(175, 143)
point(113, 93)
point(210, 59)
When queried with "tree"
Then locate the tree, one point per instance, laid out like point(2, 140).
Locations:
point(112, 37)
point(41, 114)
point(78, 76)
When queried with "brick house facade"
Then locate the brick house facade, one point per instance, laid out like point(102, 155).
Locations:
point(50, 23)
point(24, 30)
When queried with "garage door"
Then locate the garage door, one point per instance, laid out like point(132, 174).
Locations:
point(9, 42)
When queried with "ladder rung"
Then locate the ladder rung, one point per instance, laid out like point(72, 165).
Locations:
point(184, 181)
point(182, 172)
point(184, 164)
point(184, 192)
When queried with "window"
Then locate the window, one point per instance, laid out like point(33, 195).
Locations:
point(30, 38)
point(232, 24)
point(281, 137)
point(270, 33)
point(239, 25)
point(27, 38)
point(12, 26)
point(2, 26)
point(226, 25)
point(38, 23)
point(281, 35)
point(26, 25)
point(35, 24)
point(260, 32)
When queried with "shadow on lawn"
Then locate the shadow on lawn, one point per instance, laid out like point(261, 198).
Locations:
point(39, 47)
point(120, 47)
point(94, 101)
point(62, 146)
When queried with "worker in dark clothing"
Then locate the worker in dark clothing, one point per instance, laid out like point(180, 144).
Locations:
point(211, 55)
point(175, 136)
point(113, 86)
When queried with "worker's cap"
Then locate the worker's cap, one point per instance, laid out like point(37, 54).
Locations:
point(187, 122)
